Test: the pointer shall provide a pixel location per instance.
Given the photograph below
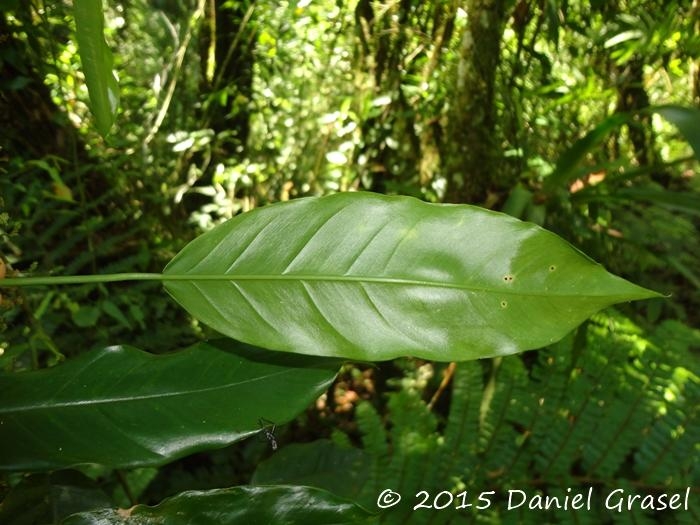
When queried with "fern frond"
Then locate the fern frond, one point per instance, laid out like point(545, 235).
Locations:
point(549, 381)
point(374, 441)
point(415, 441)
point(372, 430)
point(667, 454)
point(505, 419)
point(622, 413)
point(462, 430)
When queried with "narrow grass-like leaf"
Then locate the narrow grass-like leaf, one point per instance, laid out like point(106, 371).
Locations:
point(371, 277)
point(122, 407)
point(566, 169)
point(97, 61)
point(236, 506)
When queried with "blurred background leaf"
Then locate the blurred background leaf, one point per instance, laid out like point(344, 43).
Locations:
point(97, 62)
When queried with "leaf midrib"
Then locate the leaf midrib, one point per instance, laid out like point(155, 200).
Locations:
point(377, 280)
point(137, 398)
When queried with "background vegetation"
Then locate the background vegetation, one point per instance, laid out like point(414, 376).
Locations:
point(580, 116)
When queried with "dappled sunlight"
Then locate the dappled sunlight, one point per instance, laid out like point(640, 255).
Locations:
point(311, 261)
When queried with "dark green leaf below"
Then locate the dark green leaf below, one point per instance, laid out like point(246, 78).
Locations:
point(122, 407)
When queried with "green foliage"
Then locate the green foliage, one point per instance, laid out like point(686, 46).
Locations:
point(49, 497)
point(427, 280)
point(96, 59)
point(595, 136)
point(330, 462)
point(686, 120)
point(80, 206)
point(572, 419)
point(120, 407)
point(289, 505)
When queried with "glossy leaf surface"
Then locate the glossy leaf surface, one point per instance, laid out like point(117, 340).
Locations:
point(122, 407)
point(97, 62)
point(236, 506)
point(370, 277)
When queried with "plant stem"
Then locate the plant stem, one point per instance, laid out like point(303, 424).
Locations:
point(79, 279)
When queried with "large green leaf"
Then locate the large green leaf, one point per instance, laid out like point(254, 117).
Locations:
point(371, 277)
point(122, 407)
point(236, 506)
point(97, 61)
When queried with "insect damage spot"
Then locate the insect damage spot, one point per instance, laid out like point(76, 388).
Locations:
point(504, 304)
point(552, 267)
point(508, 278)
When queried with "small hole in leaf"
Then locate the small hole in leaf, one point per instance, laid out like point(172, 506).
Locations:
point(504, 304)
point(552, 267)
point(508, 278)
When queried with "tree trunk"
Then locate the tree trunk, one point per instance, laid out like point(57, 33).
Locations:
point(226, 51)
point(695, 65)
point(631, 98)
point(472, 151)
